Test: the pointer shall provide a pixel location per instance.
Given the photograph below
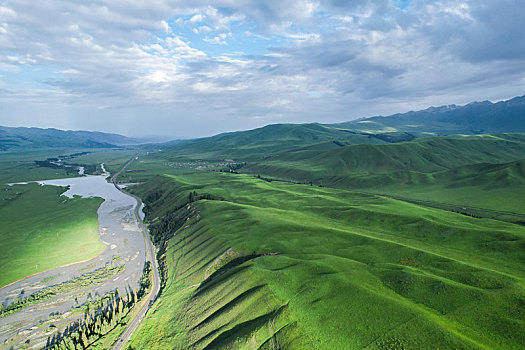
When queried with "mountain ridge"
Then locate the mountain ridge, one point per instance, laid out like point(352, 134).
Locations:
point(474, 118)
point(33, 137)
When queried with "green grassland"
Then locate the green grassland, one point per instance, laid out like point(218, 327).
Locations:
point(499, 187)
point(18, 166)
point(41, 230)
point(486, 171)
point(422, 155)
point(357, 247)
point(113, 159)
point(263, 265)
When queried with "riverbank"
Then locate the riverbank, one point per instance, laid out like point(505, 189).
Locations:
point(124, 246)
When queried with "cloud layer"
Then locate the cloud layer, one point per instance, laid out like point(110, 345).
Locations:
point(191, 68)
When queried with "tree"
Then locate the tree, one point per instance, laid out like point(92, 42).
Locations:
point(120, 305)
point(84, 338)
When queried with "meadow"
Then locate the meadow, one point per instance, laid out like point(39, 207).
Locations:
point(253, 264)
point(485, 171)
point(42, 230)
point(19, 166)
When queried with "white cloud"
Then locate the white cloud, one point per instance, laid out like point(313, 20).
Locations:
point(7, 13)
point(197, 18)
point(304, 60)
point(165, 26)
point(219, 39)
point(202, 29)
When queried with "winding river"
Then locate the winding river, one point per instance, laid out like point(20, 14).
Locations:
point(125, 245)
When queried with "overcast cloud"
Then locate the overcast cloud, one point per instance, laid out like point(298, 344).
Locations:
point(195, 68)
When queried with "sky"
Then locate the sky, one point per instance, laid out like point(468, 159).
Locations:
point(196, 68)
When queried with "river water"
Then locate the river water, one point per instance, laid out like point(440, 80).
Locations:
point(118, 230)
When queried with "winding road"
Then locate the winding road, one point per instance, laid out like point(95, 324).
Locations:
point(150, 256)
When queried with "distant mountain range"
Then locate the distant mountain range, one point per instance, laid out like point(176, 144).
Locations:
point(472, 119)
point(13, 138)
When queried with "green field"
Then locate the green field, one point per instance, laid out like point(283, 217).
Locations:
point(279, 265)
point(41, 230)
point(20, 166)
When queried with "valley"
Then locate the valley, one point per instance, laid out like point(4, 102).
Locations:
point(262, 175)
point(79, 267)
point(287, 236)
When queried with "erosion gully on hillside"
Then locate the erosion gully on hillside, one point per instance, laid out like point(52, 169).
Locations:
point(120, 267)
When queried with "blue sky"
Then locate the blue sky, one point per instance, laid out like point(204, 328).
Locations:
point(403, 4)
point(195, 68)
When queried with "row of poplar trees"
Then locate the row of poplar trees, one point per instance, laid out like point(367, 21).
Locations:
point(96, 324)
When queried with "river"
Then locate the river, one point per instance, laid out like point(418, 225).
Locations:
point(125, 245)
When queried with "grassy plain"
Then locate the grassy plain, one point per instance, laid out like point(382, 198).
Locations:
point(41, 230)
point(113, 159)
point(19, 166)
point(268, 265)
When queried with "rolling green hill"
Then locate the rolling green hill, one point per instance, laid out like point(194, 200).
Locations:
point(428, 168)
point(270, 140)
point(373, 239)
point(251, 264)
point(474, 118)
point(423, 155)
point(438, 168)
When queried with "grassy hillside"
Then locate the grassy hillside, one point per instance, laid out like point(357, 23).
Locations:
point(253, 264)
point(265, 141)
point(423, 155)
point(499, 187)
point(480, 171)
point(42, 230)
point(485, 170)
